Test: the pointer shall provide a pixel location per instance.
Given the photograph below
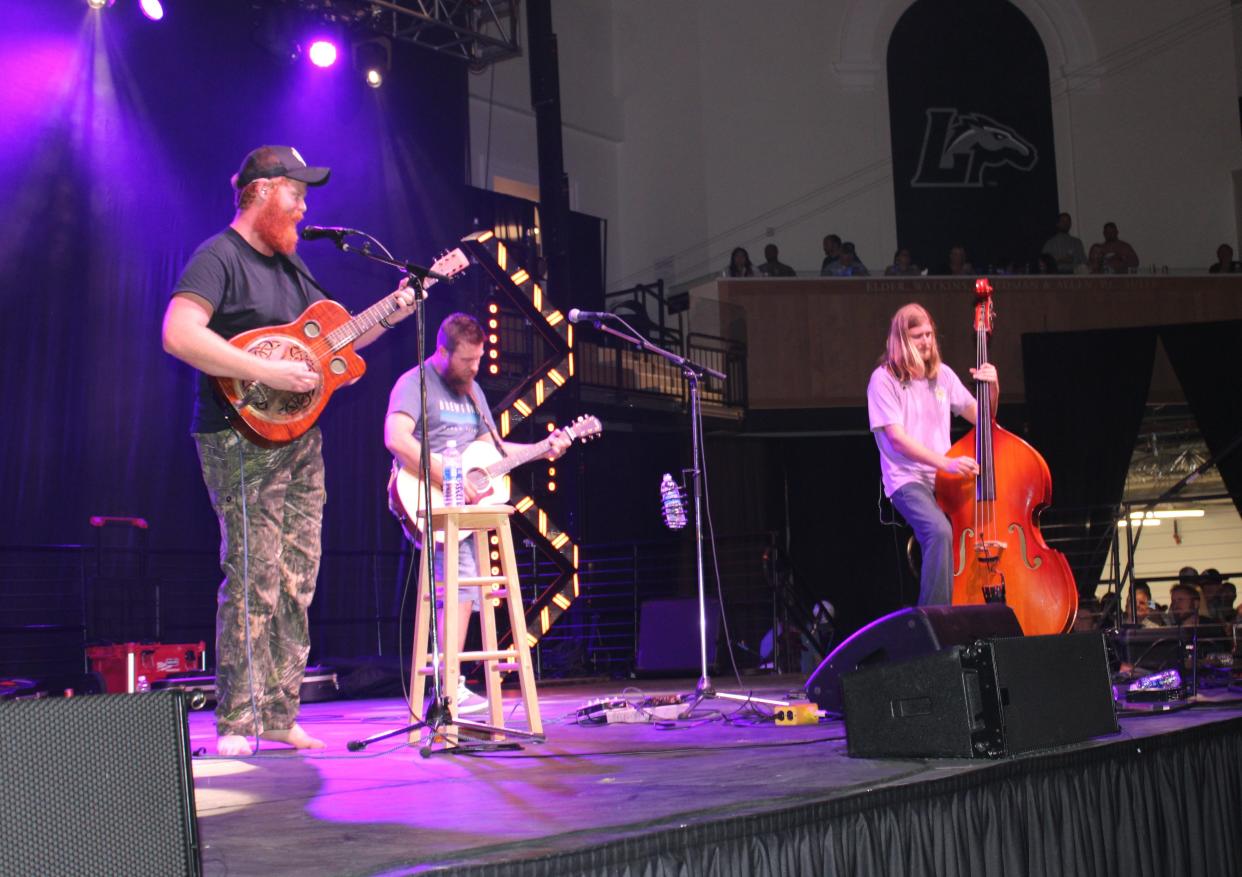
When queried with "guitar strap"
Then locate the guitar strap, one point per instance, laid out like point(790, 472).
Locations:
point(302, 272)
point(487, 421)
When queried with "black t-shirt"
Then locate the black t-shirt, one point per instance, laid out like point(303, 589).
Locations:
point(246, 290)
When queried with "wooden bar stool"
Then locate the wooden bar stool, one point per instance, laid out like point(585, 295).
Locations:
point(454, 522)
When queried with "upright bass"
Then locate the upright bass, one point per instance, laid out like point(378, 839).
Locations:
point(999, 554)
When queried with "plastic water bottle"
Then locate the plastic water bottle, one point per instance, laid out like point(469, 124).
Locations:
point(453, 485)
point(672, 506)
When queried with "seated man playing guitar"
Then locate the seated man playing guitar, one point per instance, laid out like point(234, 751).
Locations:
point(457, 411)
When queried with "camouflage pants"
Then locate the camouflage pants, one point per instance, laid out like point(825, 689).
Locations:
point(284, 506)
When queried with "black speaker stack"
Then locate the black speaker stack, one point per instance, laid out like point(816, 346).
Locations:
point(962, 682)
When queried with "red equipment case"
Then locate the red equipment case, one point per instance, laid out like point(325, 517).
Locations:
point(130, 667)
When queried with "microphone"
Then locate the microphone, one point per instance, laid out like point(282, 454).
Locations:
point(335, 232)
point(577, 316)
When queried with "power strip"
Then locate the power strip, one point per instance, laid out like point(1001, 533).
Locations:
point(637, 716)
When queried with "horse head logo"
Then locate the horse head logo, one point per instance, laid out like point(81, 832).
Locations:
point(959, 147)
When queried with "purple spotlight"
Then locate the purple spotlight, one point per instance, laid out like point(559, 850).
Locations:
point(152, 9)
point(322, 53)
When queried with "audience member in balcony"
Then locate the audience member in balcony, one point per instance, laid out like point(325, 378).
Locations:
point(911, 397)
point(739, 264)
point(1224, 261)
point(832, 252)
point(1045, 264)
point(848, 265)
point(958, 264)
point(1065, 248)
point(1112, 256)
point(903, 265)
point(773, 267)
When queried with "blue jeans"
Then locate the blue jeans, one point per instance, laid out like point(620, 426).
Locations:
point(918, 506)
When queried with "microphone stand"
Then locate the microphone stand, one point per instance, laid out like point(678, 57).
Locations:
point(438, 714)
point(693, 372)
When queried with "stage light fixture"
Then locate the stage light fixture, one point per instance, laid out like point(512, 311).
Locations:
point(322, 53)
point(99, 4)
point(373, 59)
point(152, 9)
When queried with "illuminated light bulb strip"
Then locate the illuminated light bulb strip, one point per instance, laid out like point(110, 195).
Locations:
point(490, 251)
point(491, 254)
point(538, 392)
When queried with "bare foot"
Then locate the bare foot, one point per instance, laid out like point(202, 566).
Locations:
point(232, 746)
point(295, 737)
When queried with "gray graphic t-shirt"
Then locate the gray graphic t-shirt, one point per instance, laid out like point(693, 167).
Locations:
point(450, 415)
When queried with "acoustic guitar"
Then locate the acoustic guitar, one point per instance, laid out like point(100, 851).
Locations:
point(323, 336)
point(483, 468)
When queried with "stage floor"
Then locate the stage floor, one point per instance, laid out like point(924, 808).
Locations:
point(387, 810)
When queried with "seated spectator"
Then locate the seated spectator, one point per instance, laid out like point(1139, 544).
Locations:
point(903, 265)
point(1227, 603)
point(1113, 256)
point(774, 267)
point(1065, 248)
point(1108, 611)
point(832, 252)
point(1045, 264)
point(1218, 595)
point(739, 264)
point(1186, 605)
point(1088, 617)
point(848, 265)
point(1144, 613)
point(958, 264)
point(1224, 261)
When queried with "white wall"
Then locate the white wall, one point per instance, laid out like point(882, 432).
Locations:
point(698, 125)
point(1213, 541)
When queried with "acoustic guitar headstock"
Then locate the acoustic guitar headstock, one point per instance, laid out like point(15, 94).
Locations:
point(585, 428)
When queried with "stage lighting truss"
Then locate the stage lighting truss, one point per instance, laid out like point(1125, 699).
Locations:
point(519, 287)
point(481, 32)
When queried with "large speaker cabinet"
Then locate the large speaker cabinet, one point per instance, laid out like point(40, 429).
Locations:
point(904, 634)
point(97, 785)
point(991, 699)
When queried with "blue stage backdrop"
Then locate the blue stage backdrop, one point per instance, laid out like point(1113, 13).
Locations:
point(118, 141)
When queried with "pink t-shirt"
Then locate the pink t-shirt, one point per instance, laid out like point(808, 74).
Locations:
point(922, 408)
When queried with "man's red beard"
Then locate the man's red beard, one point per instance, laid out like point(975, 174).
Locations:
point(276, 228)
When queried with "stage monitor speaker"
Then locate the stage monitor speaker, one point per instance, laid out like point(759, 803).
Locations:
point(668, 636)
point(991, 699)
point(97, 785)
point(907, 633)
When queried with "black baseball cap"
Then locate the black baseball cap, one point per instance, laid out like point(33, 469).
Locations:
point(267, 162)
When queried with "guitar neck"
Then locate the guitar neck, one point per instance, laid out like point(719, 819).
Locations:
point(361, 324)
point(519, 458)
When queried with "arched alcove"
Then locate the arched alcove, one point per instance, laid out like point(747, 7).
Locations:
point(970, 117)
